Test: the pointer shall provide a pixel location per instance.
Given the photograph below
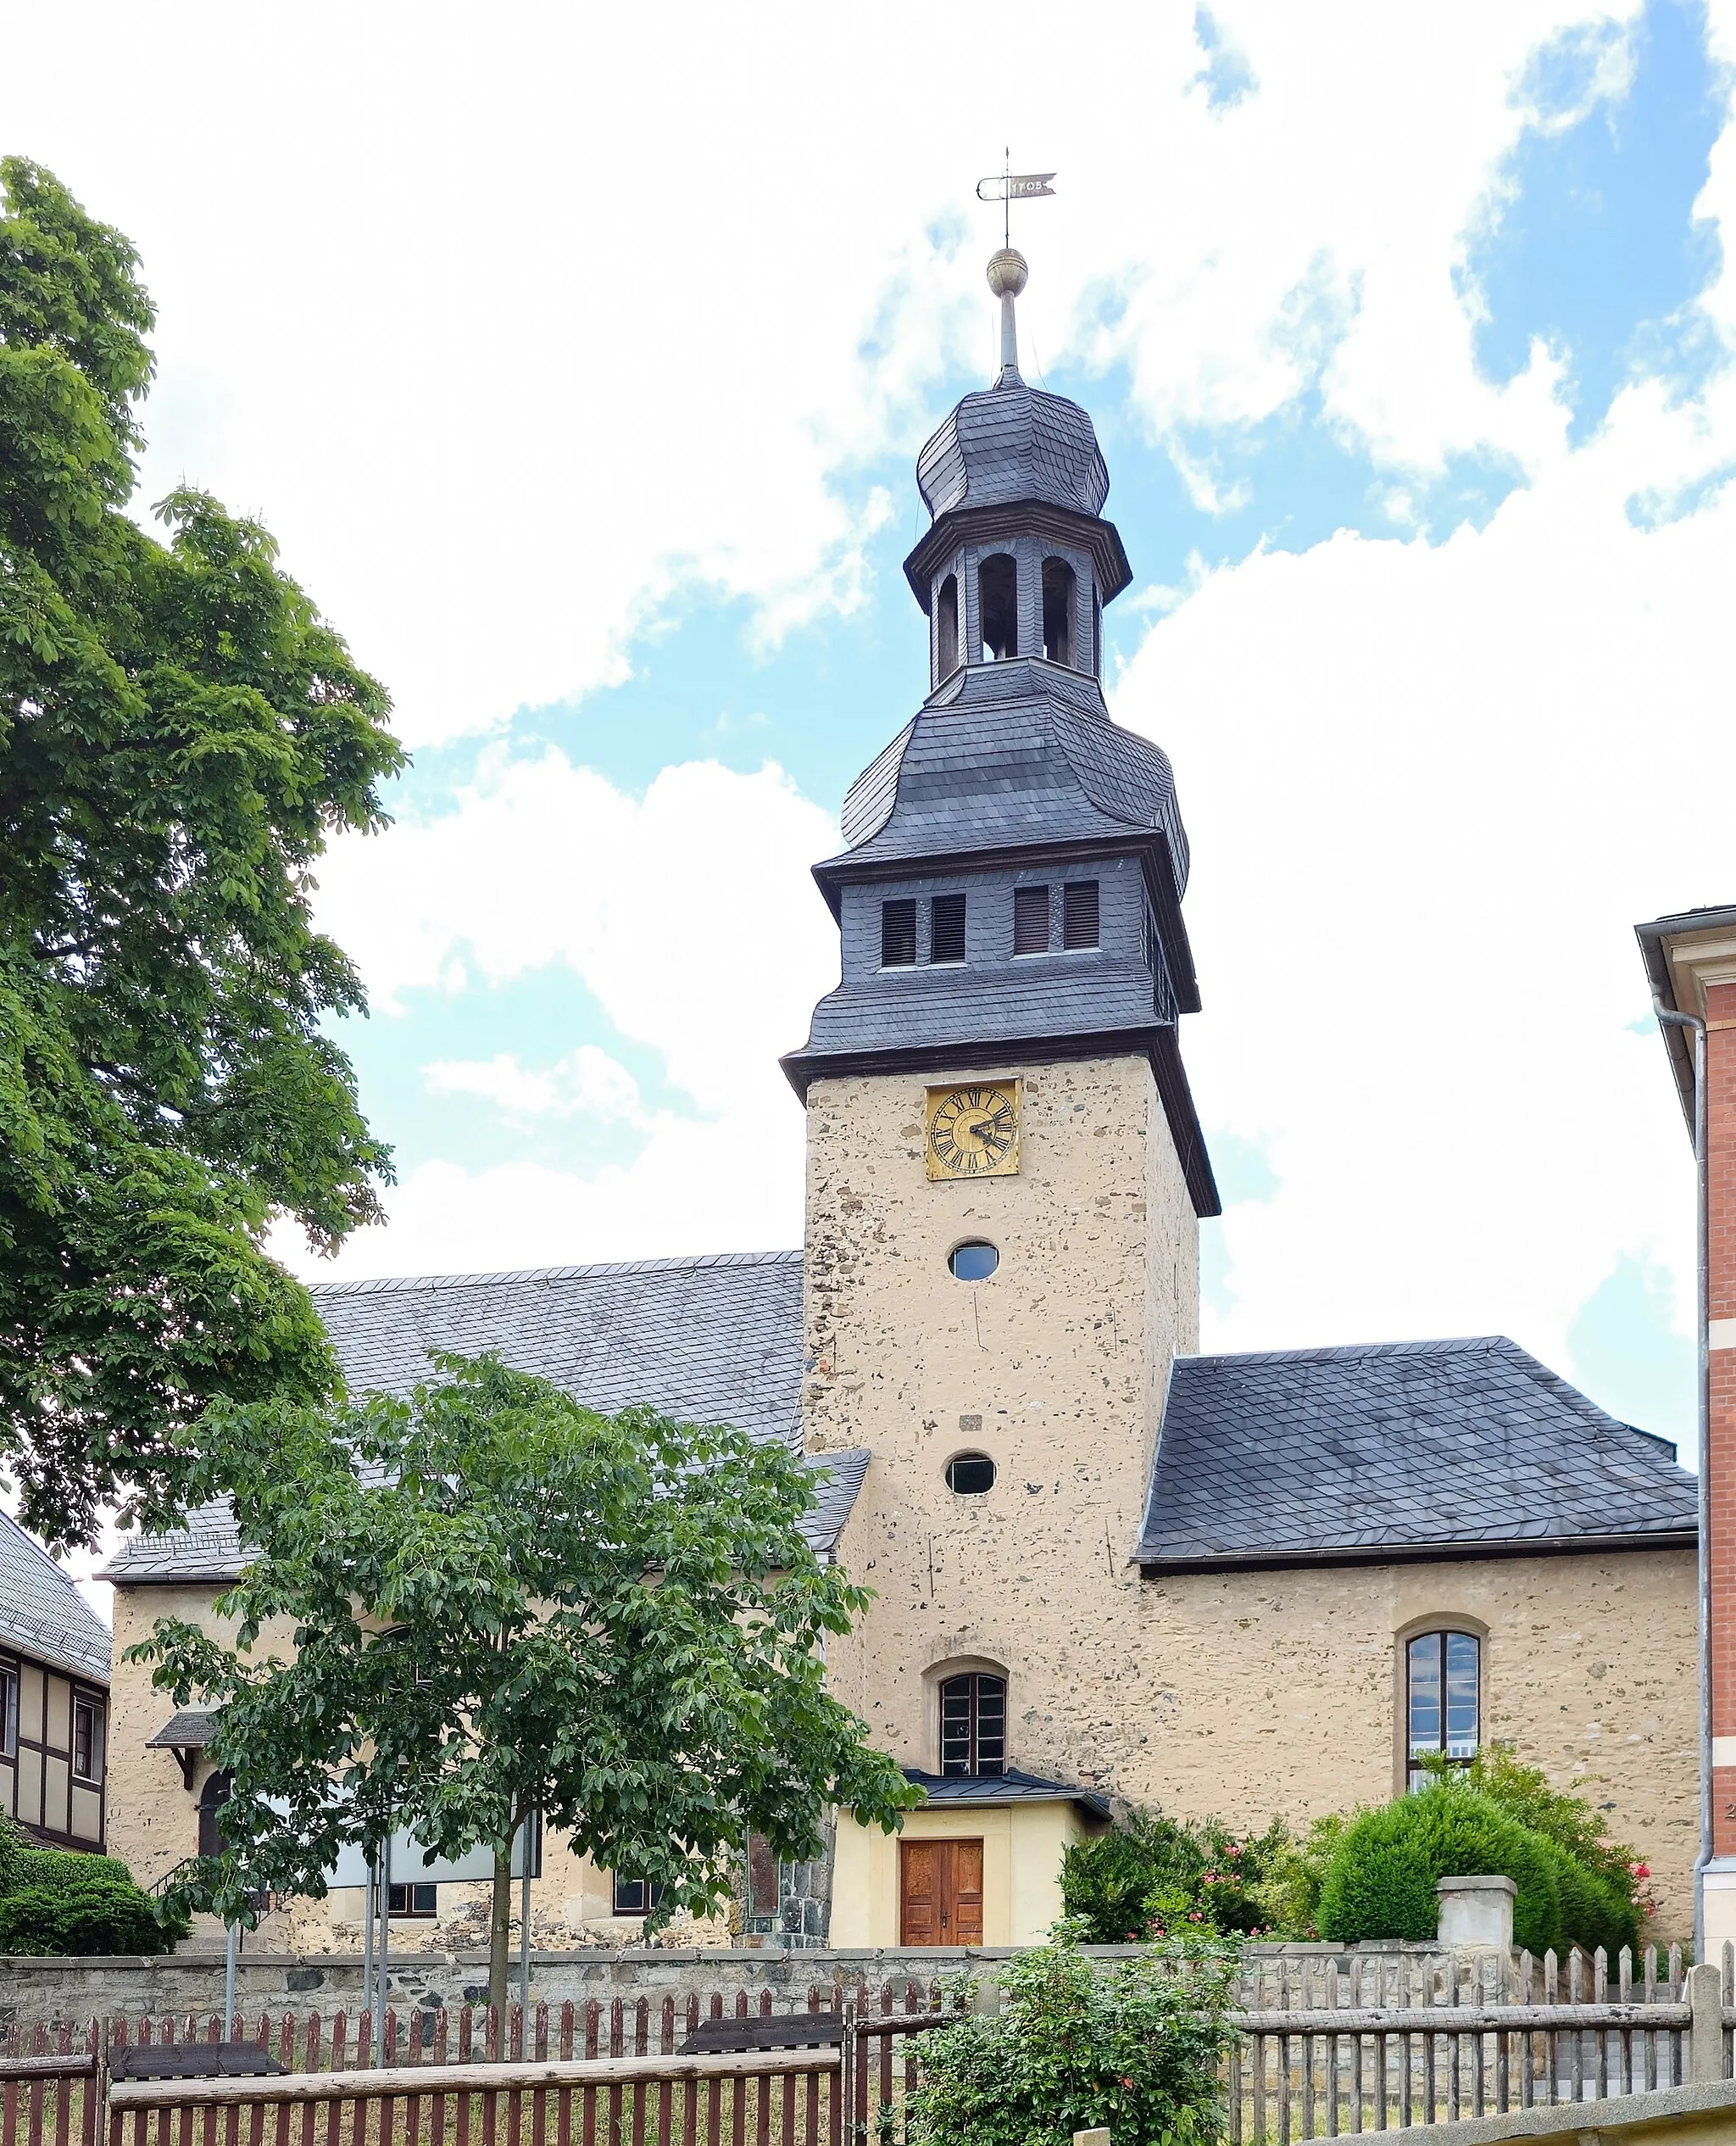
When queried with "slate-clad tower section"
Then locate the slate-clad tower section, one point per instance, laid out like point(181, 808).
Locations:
point(1008, 900)
point(1012, 775)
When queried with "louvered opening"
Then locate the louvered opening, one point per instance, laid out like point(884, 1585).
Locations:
point(1030, 920)
point(946, 941)
point(898, 934)
point(1059, 591)
point(998, 586)
point(1079, 914)
point(946, 629)
point(1096, 635)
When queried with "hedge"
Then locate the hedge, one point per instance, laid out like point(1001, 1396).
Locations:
point(59, 1901)
point(1381, 1882)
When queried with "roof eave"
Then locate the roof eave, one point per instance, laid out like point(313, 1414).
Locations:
point(1653, 938)
point(1454, 1551)
point(1015, 517)
point(1158, 1043)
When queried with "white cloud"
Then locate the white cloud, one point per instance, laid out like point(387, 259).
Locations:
point(586, 1082)
point(513, 321)
point(1430, 791)
point(689, 915)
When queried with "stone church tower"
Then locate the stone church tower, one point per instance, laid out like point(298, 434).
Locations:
point(1005, 1170)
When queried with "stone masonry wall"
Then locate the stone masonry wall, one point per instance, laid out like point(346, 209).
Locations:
point(1054, 1366)
point(153, 1824)
point(1248, 1695)
point(48, 1992)
point(1252, 1695)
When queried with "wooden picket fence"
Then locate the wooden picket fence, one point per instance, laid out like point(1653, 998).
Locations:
point(1337, 2047)
point(594, 2073)
point(1325, 2047)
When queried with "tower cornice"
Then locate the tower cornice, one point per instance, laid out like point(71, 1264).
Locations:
point(1008, 519)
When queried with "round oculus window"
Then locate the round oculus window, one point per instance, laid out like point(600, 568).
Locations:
point(970, 1475)
point(974, 1262)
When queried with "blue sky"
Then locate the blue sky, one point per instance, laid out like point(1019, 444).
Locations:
point(1409, 350)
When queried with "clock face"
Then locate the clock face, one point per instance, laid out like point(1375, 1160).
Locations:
point(974, 1132)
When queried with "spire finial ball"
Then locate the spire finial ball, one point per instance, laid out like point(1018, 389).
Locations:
point(1007, 272)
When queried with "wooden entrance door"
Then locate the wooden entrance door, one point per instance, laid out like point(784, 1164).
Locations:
point(940, 1893)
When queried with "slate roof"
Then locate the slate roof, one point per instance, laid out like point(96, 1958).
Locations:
point(1402, 1449)
point(189, 1728)
point(1013, 443)
point(716, 1339)
point(978, 1791)
point(1004, 755)
point(44, 1614)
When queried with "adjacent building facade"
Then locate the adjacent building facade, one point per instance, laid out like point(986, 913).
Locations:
point(54, 1699)
point(1108, 1569)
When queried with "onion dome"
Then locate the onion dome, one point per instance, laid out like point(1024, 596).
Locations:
point(1011, 442)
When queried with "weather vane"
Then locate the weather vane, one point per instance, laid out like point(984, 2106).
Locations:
point(1010, 185)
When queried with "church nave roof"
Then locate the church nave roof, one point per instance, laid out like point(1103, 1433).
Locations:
point(1398, 1450)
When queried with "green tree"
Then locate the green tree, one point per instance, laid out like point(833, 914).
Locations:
point(1135, 2047)
point(504, 1603)
point(181, 735)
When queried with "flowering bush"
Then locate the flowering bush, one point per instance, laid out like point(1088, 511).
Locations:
point(1134, 2045)
point(1149, 1879)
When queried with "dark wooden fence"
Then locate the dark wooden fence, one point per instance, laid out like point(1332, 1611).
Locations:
point(1325, 2048)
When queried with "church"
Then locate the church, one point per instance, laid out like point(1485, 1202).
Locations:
point(1108, 1569)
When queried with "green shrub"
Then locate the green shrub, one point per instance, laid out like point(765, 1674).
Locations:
point(1593, 1913)
point(1381, 1880)
point(1135, 2045)
point(1111, 1885)
point(59, 1901)
point(1621, 1896)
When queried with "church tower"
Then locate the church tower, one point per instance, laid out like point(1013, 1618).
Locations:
point(1005, 1170)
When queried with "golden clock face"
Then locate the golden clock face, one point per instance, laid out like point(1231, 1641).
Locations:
point(974, 1132)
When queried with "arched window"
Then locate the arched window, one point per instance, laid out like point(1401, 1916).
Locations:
point(973, 1725)
point(998, 593)
point(946, 629)
point(213, 1797)
point(1443, 1683)
point(1059, 590)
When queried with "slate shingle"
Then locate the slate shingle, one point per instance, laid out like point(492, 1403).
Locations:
point(1400, 1448)
point(714, 1339)
point(43, 1613)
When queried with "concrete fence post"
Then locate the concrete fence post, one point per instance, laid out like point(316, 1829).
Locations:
point(1091, 2137)
point(1706, 2026)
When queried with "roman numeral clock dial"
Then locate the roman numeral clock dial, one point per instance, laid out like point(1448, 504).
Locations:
point(973, 1132)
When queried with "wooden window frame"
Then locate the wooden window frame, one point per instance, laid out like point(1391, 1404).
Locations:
point(1441, 1628)
point(974, 1766)
point(85, 1709)
point(635, 1895)
point(413, 1908)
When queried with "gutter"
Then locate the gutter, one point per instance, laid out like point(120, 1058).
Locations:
point(1446, 1552)
point(1669, 1017)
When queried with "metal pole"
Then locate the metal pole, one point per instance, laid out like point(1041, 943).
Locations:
point(524, 1937)
point(231, 1950)
point(1668, 1015)
point(385, 1944)
point(367, 1939)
